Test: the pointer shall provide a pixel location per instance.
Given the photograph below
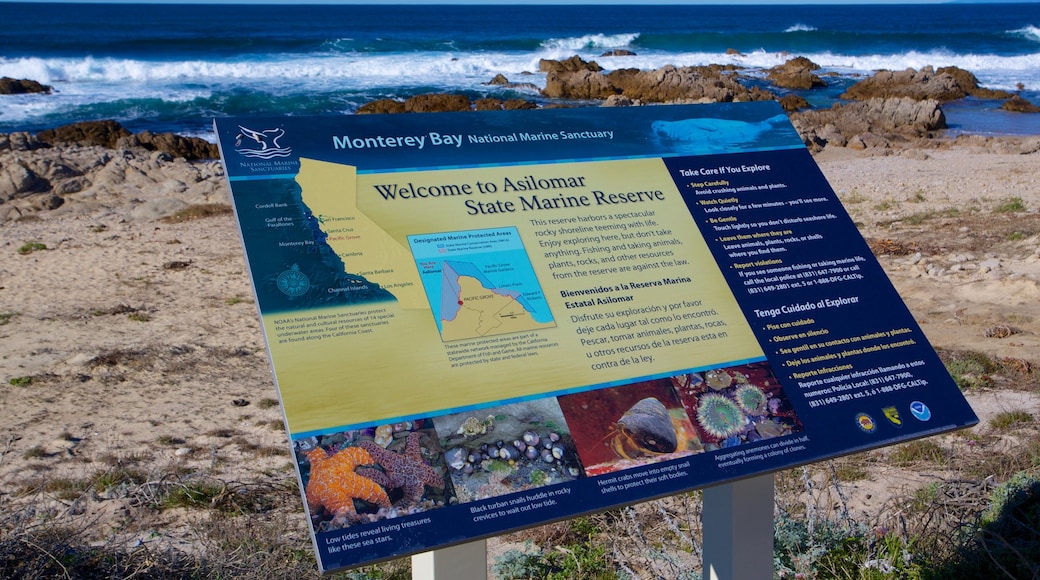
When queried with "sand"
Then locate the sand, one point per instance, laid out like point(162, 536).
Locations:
point(135, 342)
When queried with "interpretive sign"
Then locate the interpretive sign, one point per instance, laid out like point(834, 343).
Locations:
point(480, 322)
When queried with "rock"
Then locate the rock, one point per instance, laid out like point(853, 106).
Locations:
point(581, 84)
point(946, 84)
point(796, 73)
point(20, 141)
point(1017, 104)
point(437, 103)
point(17, 181)
point(48, 201)
point(157, 209)
point(618, 52)
point(86, 133)
point(502, 81)
point(572, 64)
point(619, 101)
point(791, 103)
point(872, 123)
point(9, 86)
point(190, 148)
point(491, 104)
point(381, 106)
point(716, 83)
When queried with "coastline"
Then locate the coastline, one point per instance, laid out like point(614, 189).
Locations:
point(130, 338)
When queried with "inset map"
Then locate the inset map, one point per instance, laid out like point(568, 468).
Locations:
point(480, 283)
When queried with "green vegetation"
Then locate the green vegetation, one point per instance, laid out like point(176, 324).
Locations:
point(921, 450)
point(1010, 205)
point(1006, 419)
point(20, 381)
point(971, 369)
point(30, 247)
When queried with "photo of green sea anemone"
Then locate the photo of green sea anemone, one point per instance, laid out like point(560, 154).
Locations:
point(751, 399)
point(719, 416)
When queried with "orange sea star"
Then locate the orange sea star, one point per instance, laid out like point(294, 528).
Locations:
point(406, 470)
point(334, 485)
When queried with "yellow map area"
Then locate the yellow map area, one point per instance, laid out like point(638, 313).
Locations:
point(330, 191)
point(485, 312)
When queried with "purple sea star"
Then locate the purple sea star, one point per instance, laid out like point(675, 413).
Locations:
point(405, 470)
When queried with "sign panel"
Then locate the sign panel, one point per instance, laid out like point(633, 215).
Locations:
point(480, 322)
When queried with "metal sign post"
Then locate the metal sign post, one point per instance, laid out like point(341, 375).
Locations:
point(738, 514)
point(461, 562)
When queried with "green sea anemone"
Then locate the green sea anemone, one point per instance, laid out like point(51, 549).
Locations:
point(719, 416)
point(751, 399)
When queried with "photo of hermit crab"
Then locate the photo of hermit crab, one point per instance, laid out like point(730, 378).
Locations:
point(630, 425)
point(506, 449)
point(736, 405)
point(372, 474)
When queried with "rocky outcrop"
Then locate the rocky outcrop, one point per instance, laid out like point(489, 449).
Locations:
point(381, 107)
point(500, 80)
point(797, 73)
point(1016, 104)
point(112, 135)
point(792, 103)
point(876, 123)
point(945, 84)
point(86, 133)
point(35, 177)
point(619, 52)
point(441, 103)
point(576, 79)
point(9, 86)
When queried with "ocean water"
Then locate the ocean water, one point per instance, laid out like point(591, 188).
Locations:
point(175, 67)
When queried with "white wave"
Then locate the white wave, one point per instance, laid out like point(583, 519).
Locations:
point(591, 41)
point(1031, 32)
point(800, 28)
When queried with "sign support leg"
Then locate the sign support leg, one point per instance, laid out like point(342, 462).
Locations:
point(461, 562)
point(737, 525)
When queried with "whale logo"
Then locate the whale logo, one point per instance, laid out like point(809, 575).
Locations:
point(261, 144)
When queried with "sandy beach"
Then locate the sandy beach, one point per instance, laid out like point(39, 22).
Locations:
point(129, 338)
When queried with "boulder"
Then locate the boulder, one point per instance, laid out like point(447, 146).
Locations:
point(17, 181)
point(946, 84)
point(619, 52)
point(867, 124)
point(582, 84)
point(796, 73)
point(19, 141)
point(381, 106)
point(1016, 104)
point(792, 103)
point(715, 83)
point(572, 64)
point(491, 104)
point(437, 102)
point(9, 86)
point(85, 133)
point(190, 148)
point(500, 80)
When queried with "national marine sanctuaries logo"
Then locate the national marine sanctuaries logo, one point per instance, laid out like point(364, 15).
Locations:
point(261, 144)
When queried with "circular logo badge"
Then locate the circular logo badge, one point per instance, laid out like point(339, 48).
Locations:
point(865, 423)
point(293, 282)
point(920, 411)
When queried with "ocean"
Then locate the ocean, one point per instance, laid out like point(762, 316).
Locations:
point(174, 67)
